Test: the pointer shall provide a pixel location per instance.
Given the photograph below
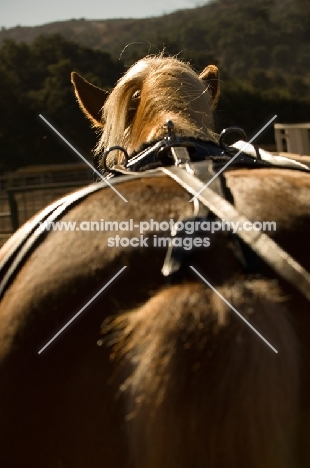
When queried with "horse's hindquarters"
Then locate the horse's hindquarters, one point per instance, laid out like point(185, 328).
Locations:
point(203, 390)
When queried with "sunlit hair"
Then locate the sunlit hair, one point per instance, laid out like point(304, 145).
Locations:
point(153, 90)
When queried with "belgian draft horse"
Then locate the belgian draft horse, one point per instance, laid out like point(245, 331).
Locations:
point(179, 381)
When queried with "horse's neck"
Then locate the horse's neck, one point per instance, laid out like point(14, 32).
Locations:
point(155, 129)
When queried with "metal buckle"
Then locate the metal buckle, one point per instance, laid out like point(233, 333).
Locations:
point(106, 154)
point(227, 131)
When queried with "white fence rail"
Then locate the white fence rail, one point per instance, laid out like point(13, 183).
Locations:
point(293, 138)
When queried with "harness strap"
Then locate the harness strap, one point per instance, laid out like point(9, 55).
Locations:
point(266, 248)
point(285, 266)
point(29, 235)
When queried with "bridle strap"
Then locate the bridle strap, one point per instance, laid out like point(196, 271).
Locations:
point(279, 260)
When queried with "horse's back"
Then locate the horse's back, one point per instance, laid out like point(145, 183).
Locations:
point(63, 407)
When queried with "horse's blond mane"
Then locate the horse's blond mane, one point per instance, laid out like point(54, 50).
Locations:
point(153, 90)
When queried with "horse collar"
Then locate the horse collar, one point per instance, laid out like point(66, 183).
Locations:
point(174, 150)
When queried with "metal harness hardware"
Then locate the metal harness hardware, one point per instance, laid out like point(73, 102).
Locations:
point(173, 150)
point(191, 163)
point(180, 163)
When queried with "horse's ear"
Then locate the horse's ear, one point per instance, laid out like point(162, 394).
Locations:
point(90, 98)
point(211, 77)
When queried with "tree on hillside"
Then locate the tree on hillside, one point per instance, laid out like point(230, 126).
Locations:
point(35, 80)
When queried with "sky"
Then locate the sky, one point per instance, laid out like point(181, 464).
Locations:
point(37, 12)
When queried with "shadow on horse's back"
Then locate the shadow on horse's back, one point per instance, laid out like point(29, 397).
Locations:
point(189, 385)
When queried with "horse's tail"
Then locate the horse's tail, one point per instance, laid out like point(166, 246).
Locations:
point(203, 389)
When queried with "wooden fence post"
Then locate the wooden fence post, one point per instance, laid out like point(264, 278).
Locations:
point(13, 210)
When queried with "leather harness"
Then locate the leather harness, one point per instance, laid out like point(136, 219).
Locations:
point(191, 163)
